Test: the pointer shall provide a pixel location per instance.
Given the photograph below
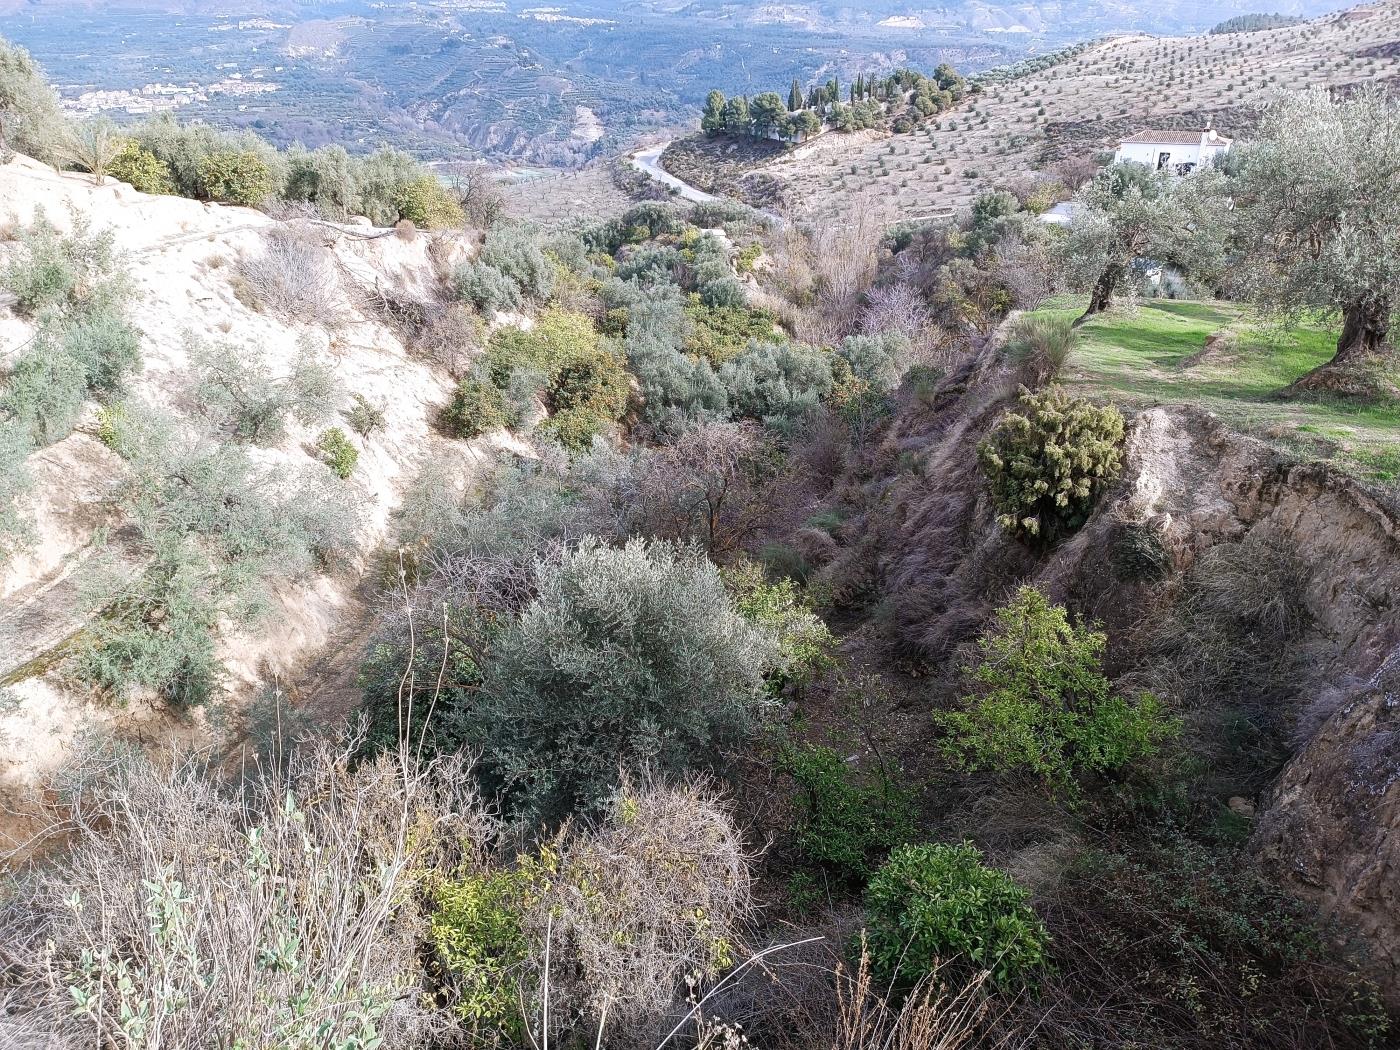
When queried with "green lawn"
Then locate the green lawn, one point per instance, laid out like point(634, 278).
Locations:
point(1143, 356)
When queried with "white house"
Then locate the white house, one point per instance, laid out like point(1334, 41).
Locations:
point(1180, 152)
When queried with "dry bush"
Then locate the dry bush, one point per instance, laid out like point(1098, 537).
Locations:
point(706, 485)
point(451, 338)
point(844, 259)
point(650, 902)
point(293, 279)
point(276, 912)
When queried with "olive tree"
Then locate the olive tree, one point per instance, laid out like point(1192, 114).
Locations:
point(1130, 212)
point(1317, 217)
point(29, 113)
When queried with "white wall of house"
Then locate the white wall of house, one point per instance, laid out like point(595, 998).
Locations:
point(1177, 153)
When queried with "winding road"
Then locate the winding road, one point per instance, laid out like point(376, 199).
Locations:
point(649, 161)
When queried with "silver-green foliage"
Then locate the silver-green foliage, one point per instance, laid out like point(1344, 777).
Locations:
point(241, 392)
point(627, 658)
point(779, 384)
point(212, 533)
point(30, 118)
point(1318, 215)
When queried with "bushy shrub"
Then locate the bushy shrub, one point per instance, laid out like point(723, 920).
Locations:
point(212, 530)
point(364, 416)
point(510, 271)
point(846, 823)
point(805, 644)
point(936, 904)
point(719, 333)
point(1048, 464)
point(477, 929)
point(338, 452)
point(324, 178)
point(239, 390)
point(557, 339)
point(64, 272)
point(1040, 703)
point(779, 384)
point(724, 294)
point(425, 202)
point(649, 264)
point(877, 360)
point(486, 288)
point(476, 408)
point(241, 177)
point(627, 658)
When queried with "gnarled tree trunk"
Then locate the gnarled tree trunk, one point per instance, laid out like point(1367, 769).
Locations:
point(1102, 296)
point(1365, 331)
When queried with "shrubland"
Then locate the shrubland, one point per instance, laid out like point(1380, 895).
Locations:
point(655, 744)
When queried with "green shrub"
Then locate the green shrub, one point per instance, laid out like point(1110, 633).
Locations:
point(239, 390)
point(847, 823)
point(486, 288)
point(476, 408)
point(720, 333)
point(574, 428)
point(876, 359)
point(425, 202)
point(558, 338)
point(804, 641)
point(237, 177)
point(141, 168)
point(1040, 703)
point(364, 416)
point(338, 452)
point(476, 928)
point(1048, 464)
point(937, 904)
point(780, 384)
point(65, 272)
point(627, 659)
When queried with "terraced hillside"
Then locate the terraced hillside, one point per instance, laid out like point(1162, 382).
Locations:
point(1077, 108)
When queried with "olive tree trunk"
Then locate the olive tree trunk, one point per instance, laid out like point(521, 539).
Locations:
point(1102, 296)
point(1365, 327)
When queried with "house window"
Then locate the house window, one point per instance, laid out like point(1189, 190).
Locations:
point(1162, 159)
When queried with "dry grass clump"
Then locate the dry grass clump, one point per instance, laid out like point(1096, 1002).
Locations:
point(650, 902)
point(292, 278)
point(277, 913)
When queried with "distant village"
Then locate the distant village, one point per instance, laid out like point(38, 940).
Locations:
point(156, 98)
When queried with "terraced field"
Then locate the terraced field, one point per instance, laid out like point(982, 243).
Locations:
point(1081, 107)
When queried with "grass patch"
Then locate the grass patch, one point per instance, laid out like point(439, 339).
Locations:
point(1152, 354)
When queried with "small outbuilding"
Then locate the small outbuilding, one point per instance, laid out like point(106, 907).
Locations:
point(1178, 152)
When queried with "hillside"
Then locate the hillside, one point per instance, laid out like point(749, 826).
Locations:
point(185, 257)
point(1070, 111)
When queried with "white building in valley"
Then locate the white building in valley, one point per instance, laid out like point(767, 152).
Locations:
point(1180, 152)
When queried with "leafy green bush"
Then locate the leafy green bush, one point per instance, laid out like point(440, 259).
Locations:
point(477, 930)
point(64, 272)
point(141, 168)
point(627, 658)
point(1048, 464)
point(720, 333)
point(804, 641)
point(339, 453)
point(937, 904)
point(876, 359)
point(476, 408)
point(847, 823)
point(425, 202)
point(557, 339)
point(241, 177)
point(1040, 702)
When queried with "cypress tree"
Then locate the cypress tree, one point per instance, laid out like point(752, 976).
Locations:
point(795, 97)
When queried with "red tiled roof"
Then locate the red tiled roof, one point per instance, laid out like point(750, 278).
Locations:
point(1172, 138)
